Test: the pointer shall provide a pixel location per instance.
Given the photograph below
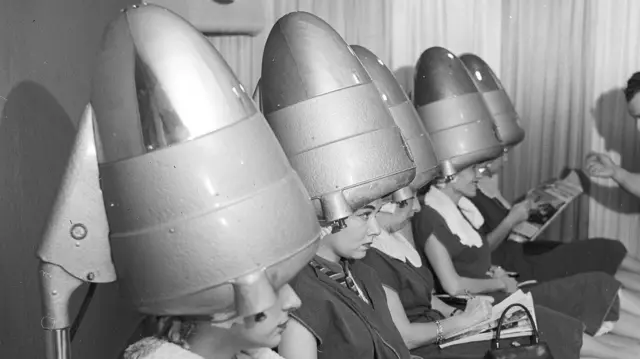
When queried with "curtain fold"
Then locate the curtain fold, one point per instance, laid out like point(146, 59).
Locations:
point(545, 52)
point(361, 22)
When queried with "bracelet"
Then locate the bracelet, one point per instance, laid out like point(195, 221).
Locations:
point(439, 336)
point(454, 312)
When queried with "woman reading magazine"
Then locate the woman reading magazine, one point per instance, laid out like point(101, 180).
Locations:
point(545, 259)
point(461, 259)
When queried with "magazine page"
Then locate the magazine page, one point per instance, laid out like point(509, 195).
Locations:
point(553, 197)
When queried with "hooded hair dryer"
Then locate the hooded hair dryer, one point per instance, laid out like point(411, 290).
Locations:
point(330, 119)
point(453, 111)
point(505, 117)
point(174, 178)
point(405, 116)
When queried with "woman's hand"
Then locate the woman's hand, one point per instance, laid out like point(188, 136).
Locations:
point(510, 284)
point(477, 310)
point(497, 272)
point(520, 211)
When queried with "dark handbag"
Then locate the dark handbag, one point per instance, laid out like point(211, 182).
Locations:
point(535, 350)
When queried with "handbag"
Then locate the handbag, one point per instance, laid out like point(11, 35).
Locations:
point(535, 350)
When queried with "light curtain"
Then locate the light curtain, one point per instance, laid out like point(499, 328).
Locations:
point(546, 53)
point(558, 60)
point(615, 36)
point(458, 25)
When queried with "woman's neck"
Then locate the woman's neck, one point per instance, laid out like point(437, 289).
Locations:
point(407, 233)
point(213, 344)
point(455, 196)
point(328, 254)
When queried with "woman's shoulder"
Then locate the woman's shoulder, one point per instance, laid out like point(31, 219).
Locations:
point(379, 261)
point(366, 271)
point(429, 215)
point(427, 222)
point(373, 257)
point(385, 267)
point(307, 284)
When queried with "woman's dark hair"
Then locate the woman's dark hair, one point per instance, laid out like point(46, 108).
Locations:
point(423, 191)
point(175, 329)
point(633, 86)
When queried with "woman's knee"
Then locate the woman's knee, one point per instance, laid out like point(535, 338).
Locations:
point(563, 333)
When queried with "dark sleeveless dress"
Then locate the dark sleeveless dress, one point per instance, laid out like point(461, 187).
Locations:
point(546, 260)
point(344, 325)
point(589, 297)
point(414, 286)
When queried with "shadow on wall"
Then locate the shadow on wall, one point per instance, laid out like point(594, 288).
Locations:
point(612, 121)
point(36, 136)
point(35, 139)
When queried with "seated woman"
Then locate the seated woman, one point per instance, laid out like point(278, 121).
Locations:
point(461, 259)
point(345, 313)
point(544, 260)
point(192, 337)
point(408, 285)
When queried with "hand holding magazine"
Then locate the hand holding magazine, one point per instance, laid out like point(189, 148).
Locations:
point(516, 323)
point(552, 197)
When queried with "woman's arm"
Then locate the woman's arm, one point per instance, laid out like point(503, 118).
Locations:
point(452, 283)
point(442, 307)
point(501, 232)
point(517, 214)
point(418, 334)
point(627, 180)
point(297, 342)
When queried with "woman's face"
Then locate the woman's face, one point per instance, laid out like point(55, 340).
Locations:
point(466, 181)
point(264, 330)
point(353, 241)
point(393, 222)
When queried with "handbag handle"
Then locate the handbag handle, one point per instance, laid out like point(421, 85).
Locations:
point(535, 337)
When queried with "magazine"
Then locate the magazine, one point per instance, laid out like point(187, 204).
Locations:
point(516, 324)
point(553, 197)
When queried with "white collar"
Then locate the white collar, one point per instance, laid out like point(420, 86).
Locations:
point(395, 245)
point(471, 212)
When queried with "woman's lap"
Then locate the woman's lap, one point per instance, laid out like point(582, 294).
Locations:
point(561, 260)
